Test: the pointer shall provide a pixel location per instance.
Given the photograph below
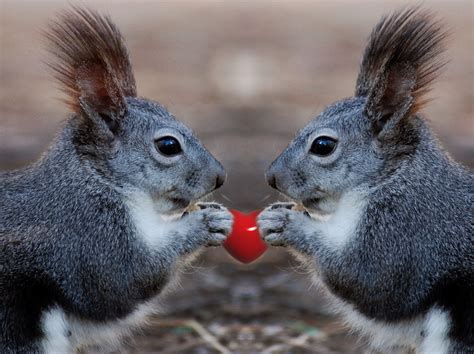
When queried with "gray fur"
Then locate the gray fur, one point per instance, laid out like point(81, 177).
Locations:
point(410, 248)
point(68, 238)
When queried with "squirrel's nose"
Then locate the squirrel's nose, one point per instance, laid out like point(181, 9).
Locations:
point(220, 179)
point(271, 180)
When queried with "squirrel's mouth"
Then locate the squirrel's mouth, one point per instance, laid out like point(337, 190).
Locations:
point(311, 203)
point(176, 198)
point(183, 203)
point(180, 203)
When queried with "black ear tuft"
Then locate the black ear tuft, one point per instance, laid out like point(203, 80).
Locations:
point(401, 60)
point(92, 63)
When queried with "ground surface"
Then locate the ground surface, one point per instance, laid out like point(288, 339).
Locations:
point(245, 76)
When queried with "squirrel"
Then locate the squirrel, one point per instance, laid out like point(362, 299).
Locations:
point(93, 233)
point(387, 228)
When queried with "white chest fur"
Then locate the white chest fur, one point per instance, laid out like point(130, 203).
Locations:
point(153, 227)
point(338, 224)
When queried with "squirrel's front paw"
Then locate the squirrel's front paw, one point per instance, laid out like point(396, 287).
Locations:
point(216, 221)
point(279, 224)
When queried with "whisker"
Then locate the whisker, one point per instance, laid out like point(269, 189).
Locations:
point(226, 198)
point(285, 197)
point(208, 197)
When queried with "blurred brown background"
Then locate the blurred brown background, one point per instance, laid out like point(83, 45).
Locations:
point(245, 75)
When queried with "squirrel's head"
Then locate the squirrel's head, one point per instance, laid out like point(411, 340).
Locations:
point(133, 143)
point(357, 141)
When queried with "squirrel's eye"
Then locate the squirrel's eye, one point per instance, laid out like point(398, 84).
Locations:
point(168, 146)
point(323, 146)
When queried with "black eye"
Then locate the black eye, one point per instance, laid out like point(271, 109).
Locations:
point(323, 146)
point(168, 146)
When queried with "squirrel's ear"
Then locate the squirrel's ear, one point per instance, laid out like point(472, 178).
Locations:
point(92, 65)
point(401, 60)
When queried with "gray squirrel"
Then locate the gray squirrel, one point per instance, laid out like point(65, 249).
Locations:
point(387, 227)
point(89, 237)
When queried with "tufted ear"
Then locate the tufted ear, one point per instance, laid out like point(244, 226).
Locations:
point(401, 60)
point(92, 65)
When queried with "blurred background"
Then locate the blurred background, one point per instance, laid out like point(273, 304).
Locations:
point(245, 75)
